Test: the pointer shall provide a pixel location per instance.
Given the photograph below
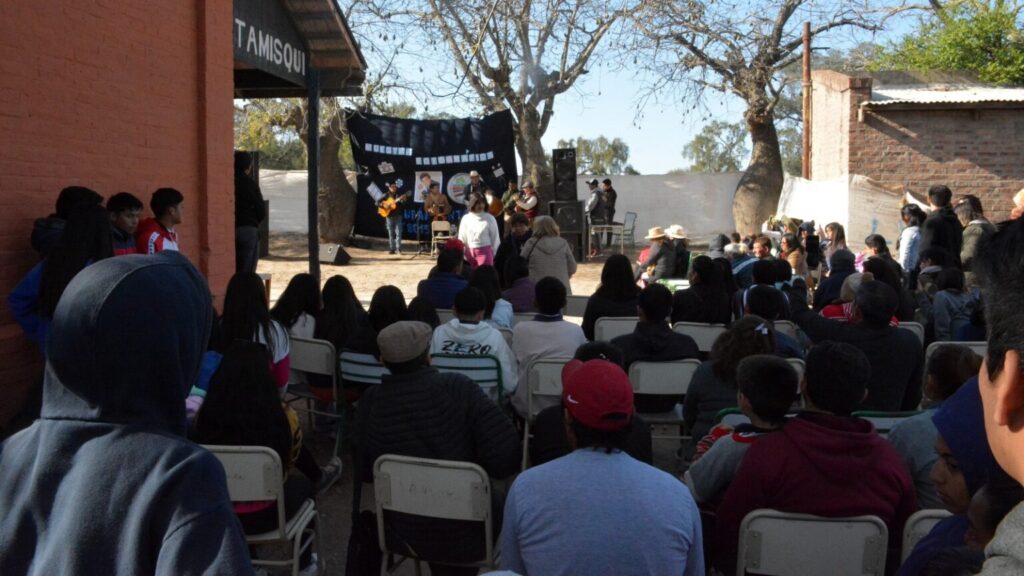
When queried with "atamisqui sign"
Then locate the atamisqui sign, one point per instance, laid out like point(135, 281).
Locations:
point(265, 38)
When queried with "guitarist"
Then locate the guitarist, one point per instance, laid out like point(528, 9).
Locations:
point(436, 204)
point(391, 207)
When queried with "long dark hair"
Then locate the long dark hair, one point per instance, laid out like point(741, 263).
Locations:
point(877, 242)
point(342, 313)
point(86, 239)
point(387, 307)
point(301, 295)
point(794, 243)
point(617, 283)
point(420, 309)
point(242, 406)
point(914, 214)
point(245, 312)
point(485, 279)
point(747, 336)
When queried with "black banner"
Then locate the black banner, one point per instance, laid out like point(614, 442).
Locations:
point(415, 152)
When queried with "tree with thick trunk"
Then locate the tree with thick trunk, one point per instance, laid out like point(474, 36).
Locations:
point(741, 48)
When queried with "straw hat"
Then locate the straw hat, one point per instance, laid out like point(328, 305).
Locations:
point(676, 231)
point(655, 233)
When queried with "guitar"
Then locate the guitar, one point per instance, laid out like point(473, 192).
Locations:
point(389, 205)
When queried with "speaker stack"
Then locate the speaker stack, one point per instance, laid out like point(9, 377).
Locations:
point(564, 164)
point(566, 209)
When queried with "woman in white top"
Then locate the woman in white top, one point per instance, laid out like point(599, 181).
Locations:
point(478, 230)
point(296, 310)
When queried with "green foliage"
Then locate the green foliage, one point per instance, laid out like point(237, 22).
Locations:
point(600, 155)
point(975, 36)
point(720, 147)
point(279, 149)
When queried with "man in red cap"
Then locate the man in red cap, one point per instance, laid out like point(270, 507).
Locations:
point(598, 510)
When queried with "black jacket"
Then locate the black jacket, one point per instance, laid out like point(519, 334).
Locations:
point(598, 307)
point(510, 246)
point(105, 481)
point(700, 303)
point(942, 230)
point(655, 343)
point(663, 258)
point(249, 208)
point(46, 233)
point(896, 356)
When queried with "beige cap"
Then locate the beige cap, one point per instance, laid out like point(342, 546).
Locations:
point(655, 233)
point(473, 173)
point(676, 231)
point(404, 341)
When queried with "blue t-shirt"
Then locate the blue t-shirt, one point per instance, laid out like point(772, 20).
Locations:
point(590, 512)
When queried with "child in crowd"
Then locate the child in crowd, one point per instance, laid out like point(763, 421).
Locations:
point(246, 317)
point(124, 211)
point(421, 310)
point(296, 310)
point(767, 388)
point(157, 234)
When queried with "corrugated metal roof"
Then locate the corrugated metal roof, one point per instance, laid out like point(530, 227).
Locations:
point(888, 95)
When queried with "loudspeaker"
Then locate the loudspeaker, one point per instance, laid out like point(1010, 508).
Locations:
point(564, 164)
point(568, 216)
point(334, 254)
point(577, 240)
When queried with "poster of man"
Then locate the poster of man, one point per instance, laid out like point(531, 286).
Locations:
point(423, 181)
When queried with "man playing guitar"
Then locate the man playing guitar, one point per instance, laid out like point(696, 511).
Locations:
point(436, 204)
point(391, 208)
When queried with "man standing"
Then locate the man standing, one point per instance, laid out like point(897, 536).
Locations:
point(942, 228)
point(392, 206)
point(599, 510)
point(595, 214)
point(610, 197)
point(250, 211)
point(157, 234)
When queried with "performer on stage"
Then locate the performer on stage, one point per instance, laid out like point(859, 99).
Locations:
point(494, 209)
point(528, 202)
point(475, 186)
point(508, 204)
point(391, 207)
point(436, 203)
point(610, 197)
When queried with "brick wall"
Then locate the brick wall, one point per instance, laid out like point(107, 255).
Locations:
point(118, 96)
point(830, 104)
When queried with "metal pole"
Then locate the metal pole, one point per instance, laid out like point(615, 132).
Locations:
point(807, 101)
point(313, 170)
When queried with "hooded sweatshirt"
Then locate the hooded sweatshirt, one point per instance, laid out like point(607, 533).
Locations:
point(822, 464)
point(476, 339)
point(843, 264)
point(550, 256)
point(1005, 553)
point(105, 482)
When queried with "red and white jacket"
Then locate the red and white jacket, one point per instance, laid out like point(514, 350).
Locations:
point(152, 237)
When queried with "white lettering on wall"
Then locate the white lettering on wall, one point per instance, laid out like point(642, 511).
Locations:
point(265, 46)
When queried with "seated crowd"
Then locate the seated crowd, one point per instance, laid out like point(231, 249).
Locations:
point(134, 384)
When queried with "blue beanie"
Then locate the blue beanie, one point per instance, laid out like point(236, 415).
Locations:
point(961, 423)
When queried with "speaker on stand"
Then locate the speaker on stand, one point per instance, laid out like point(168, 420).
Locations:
point(564, 173)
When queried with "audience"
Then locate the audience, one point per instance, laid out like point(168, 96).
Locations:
point(767, 388)
point(976, 230)
point(512, 244)
point(653, 340)
point(952, 307)
point(418, 411)
point(124, 211)
point(441, 287)
point(468, 335)
point(246, 317)
point(835, 240)
point(762, 247)
point(548, 254)
point(706, 300)
point(909, 243)
point(681, 246)
point(157, 234)
point(763, 274)
point(546, 336)
point(763, 301)
point(842, 308)
point(895, 355)
point(296, 311)
point(841, 265)
point(941, 229)
point(499, 311)
point(914, 437)
point(989, 505)
point(104, 482)
point(713, 387)
point(519, 287)
point(795, 254)
point(615, 296)
point(823, 462)
point(661, 259)
point(890, 274)
point(598, 510)
point(877, 248)
point(549, 432)
point(999, 264)
point(421, 310)
point(742, 269)
point(46, 232)
point(342, 316)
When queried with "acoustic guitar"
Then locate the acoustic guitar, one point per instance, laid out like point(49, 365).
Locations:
point(390, 204)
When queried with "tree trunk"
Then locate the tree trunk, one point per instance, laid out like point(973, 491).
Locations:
point(757, 194)
point(337, 198)
point(533, 157)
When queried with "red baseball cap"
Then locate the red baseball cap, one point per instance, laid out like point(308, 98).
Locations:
point(598, 394)
point(454, 244)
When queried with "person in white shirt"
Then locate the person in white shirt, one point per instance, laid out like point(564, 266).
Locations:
point(296, 311)
point(468, 335)
point(478, 230)
point(546, 336)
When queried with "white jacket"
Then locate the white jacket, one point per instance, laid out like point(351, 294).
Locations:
point(478, 230)
point(467, 339)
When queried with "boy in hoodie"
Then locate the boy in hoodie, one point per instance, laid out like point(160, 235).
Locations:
point(105, 482)
point(824, 461)
point(999, 264)
point(468, 335)
point(124, 211)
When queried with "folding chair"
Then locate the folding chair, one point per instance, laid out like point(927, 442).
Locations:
point(663, 378)
point(703, 334)
point(575, 306)
point(316, 357)
point(254, 474)
point(608, 327)
point(445, 315)
point(916, 328)
point(485, 370)
point(800, 366)
point(918, 526)
point(732, 417)
point(543, 381)
point(786, 327)
point(440, 232)
point(434, 488)
point(361, 369)
point(884, 421)
point(779, 543)
point(628, 234)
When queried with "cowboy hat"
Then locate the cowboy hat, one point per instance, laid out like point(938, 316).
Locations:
point(676, 231)
point(655, 233)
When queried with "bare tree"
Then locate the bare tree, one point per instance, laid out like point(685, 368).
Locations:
point(740, 47)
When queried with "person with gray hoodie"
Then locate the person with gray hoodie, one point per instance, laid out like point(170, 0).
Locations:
point(548, 253)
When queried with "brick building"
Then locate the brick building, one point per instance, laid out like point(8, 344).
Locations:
point(134, 95)
point(909, 133)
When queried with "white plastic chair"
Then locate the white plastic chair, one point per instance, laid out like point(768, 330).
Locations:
point(663, 378)
point(786, 327)
point(315, 357)
point(918, 526)
point(914, 327)
point(779, 543)
point(576, 305)
point(608, 327)
point(359, 368)
point(442, 489)
point(440, 232)
point(445, 315)
point(254, 474)
point(485, 370)
point(703, 334)
point(800, 366)
point(543, 380)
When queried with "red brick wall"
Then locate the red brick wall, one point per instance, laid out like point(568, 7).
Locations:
point(117, 96)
